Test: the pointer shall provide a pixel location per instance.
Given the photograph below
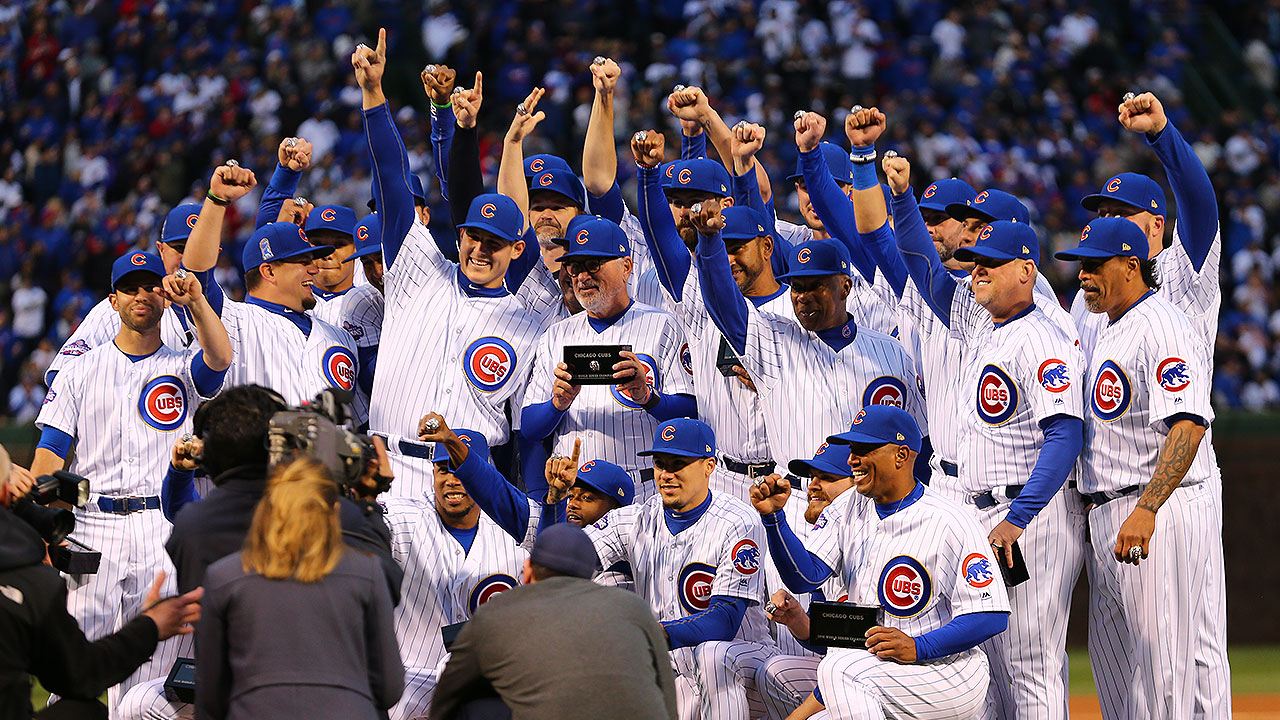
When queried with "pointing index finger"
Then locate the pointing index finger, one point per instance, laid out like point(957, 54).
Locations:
point(479, 86)
point(382, 44)
point(577, 449)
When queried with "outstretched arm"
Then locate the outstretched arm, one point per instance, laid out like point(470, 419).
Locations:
point(437, 81)
point(293, 156)
point(829, 201)
point(390, 160)
point(670, 256)
point(599, 154)
point(918, 253)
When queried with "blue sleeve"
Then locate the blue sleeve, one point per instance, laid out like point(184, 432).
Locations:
point(55, 441)
point(1197, 419)
point(962, 633)
point(283, 185)
point(553, 514)
point(674, 406)
point(207, 379)
point(719, 621)
point(608, 206)
point(801, 570)
point(671, 257)
point(539, 421)
point(368, 359)
point(442, 125)
point(883, 250)
point(834, 209)
point(49, 376)
point(922, 471)
point(693, 147)
point(725, 304)
point(499, 499)
point(781, 246)
point(391, 179)
point(1192, 191)
point(921, 257)
point(178, 489)
point(533, 463)
point(1063, 441)
point(212, 290)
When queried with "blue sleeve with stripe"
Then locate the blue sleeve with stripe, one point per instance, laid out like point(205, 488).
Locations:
point(801, 570)
point(693, 147)
point(503, 502)
point(206, 379)
point(725, 304)
point(674, 406)
point(883, 250)
point(282, 186)
point(1192, 190)
point(670, 255)
point(391, 179)
point(834, 209)
point(921, 257)
point(443, 122)
point(720, 621)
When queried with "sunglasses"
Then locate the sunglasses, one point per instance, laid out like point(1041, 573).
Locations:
point(592, 266)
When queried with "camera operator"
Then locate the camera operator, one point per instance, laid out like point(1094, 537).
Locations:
point(38, 637)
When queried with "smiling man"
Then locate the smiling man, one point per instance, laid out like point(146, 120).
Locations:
point(332, 226)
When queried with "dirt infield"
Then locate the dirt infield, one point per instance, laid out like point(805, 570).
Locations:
point(1243, 707)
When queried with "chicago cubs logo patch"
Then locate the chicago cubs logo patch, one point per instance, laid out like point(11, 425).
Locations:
point(668, 433)
point(804, 255)
point(1111, 392)
point(362, 233)
point(1114, 185)
point(746, 557)
point(981, 197)
point(488, 210)
point(582, 237)
point(686, 358)
point(929, 191)
point(488, 363)
point(977, 570)
point(191, 220)
point(904, 587)
point(536, 165)
point(695, 586)
point(76, 349)
point(1053, 375)
point(488, 588)
point(685, 176)
point(339, 367)
point(650, 377)
point(49, 397)
point(545, 179)
point(328, 215)
point(670, 168)
point(997, 396)
point(163, 403)
point(1172, 374)
point(885, 390)
point(138, 259)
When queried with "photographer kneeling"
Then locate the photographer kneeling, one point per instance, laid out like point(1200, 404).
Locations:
point(38, 637)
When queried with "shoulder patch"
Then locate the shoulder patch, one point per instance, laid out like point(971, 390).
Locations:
point(355, 331)
point(76, 349)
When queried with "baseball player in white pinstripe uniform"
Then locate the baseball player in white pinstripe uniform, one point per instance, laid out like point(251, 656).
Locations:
point(363, 307)
point(121, 408)
point(921, 558)
point(455, 558)
point(1147, 470)
point(1189, 279)
point(332, 226)
point(696, 558)
point(613, 421)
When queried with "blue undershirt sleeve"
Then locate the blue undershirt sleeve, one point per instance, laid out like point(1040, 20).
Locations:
point(963, 632)
point(801, 570)
point(671, 257)
point(207, 379)
point(921, 257)
point(921, 470)
point(177, 490)
point(1192, 191)
point(391, 172)
point(497, 498)
point(883, 250)
point(533, 463)
point(282, 186)
point(368, 359)
point(674, 406)
point(55, 441)
point(693, 147)
point(608, 206)
point(724, 301)
point(443, 122)
point(1063, 441)
point(539, 421)
point(720, 621)
point(834, 209)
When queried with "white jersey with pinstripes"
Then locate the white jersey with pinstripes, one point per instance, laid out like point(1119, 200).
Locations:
point(1147, 366)
point(328, 307)
point(811, 391)
point(361, 318)
point(1015, 375)
point(443, 584)
point(720, 554)
point(612, 426)
point(125, 416)
point(271, 351)
point(447, 352)
point(101, 325)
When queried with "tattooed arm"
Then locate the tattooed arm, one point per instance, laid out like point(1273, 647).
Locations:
point(1179, 450)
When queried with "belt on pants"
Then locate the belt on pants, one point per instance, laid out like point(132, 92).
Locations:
point(1102, 498)
point(987, 500)
point(949, 468)
point(751, 470)
point(127, 505)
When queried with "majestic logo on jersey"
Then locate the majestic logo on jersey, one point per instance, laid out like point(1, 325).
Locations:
point(803, 255)
point(328, 215)
point(487, 588)
point(746, 557)
point(997, 396)
point(362, 233)
point(488, 363)
point(163, 403)
point(1053, 375)
point(650, 376)
point(1114, 185)
point(929, 191)
point(339, 367)
point(76, 349)
point(977, 570)
point(904, 587)
point(536, 165)
point(488, 210)
point(49, 397)
point(885, 390)
point(686, 358)
point(191, 220)
point(355, 331)
point(264, 247)
point(582, 236)
point(695, 586)
point(685, 176)
point(1111, 392)
point(1172, 374)
point(545, 180)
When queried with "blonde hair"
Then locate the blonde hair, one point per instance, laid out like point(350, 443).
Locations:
point(295, 531)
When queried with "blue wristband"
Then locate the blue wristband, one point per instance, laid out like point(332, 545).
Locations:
point(864, 173)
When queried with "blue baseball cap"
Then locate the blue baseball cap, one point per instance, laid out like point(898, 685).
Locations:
point(415, 188)
point(683, 436)
point(608, 480)
point(666, 173)
point(279, 241)
point(332, 217)
point(474, 441)
point(566, 549)
point(497, 214)
point(817, 257)
point(989, 205)
point(594, 236)
point(179, 223)
point(1003, 240)
point(136, 262)
point(559, 182)
point(881, 424)
point(1108, 237)
point(368, 237)
point(1133, 189)
point(743, 223)
point(828, 458)
point(708, 176)
point(535, 164)
point(837, 159)
point(947, 191)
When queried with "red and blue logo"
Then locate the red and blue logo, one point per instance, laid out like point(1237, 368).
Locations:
point(650, 377)
point(685, 176)
point(695, 586)
point(487, 588)
point(746, 557)
point(545, 180)
point(997, 396)
point(686, 358)
point(1053, 375)
point(929, 191)
point(582, 237)
point(804, 255)
point(981, 197)
point(138, 259)
point(977, 570)
point(489, 363)
point(904, 587)
point(362, 233)
point(328, 215)
point(488, 210)
point(1114, 185)
point(75, 349)
point(536, 165)
point(1111, 392)
point(1172, 374)
point(49, 397)
point(339, 367)
point(163, 403)
point(885, 390)
point(191, 220)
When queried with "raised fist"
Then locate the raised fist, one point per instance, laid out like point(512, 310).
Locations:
point(810, 129)
point(231, 182)
point(706, 218)
point(296, 156)
point(1143, 113)
point(293, 211)
point(187, 452)
point(864, 126)
point(181, 288)
point(688, 104)
point(439, 84)
point(770, 494)
point(897, 171)
point(647, 146)
point(748, 138)
point(605, 77)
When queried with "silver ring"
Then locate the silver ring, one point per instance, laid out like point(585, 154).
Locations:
point(430, 69)
point(857, 108)
point(891, 153)
point(557, 456)
point(432, 425)
point(188, 438)
point(362, 45)
point(799, 114)
point(599, 60)
point(640, 136)
point(677, 88)
point(740, 124)
point(696, 209)
point(1127, 97)
point(521, 109)
point(290, 142)
point(457, 90)
point(180, 273)
point(1135, 553)
point(300, 201)
point(770, 607)
point(232, 163)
